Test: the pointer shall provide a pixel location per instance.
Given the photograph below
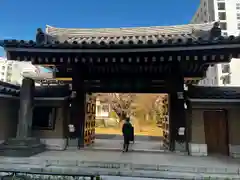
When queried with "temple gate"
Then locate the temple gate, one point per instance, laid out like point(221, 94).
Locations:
point(136, 60)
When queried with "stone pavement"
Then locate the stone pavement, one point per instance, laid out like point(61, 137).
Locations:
point(38, 177)
point(127, 178)
point(137, 137)
point(116, 145)
point(132, 164)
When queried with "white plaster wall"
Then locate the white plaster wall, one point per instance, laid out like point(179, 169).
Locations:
point(211, 78)
point(235, 72)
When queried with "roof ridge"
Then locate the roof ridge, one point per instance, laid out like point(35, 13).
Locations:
point(136, 31)
point(138, 27)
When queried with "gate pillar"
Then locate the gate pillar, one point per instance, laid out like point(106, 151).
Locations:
point(24, 127)
point(177, 119)
point(77, 109)
point(24, 144)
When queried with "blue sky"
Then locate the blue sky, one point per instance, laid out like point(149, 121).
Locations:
point(20, 18)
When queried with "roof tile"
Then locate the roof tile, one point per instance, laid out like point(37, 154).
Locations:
point(157, 36)
point(40, 91)
point(139, 35)
point(204, 92)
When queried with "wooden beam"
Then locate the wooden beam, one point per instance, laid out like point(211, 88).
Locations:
point(185, 79)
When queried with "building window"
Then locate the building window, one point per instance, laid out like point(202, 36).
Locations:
point(8, 78)
point(238, 6)
point(221, 6)
point(105, 108)
point(222, 15)
point(238, 16)
point(44, 118)
point(223, 25)
point(205, 13)
point(226, 79)
point(225, 68)
point(238, 26)
point(3, 67)
point(224, 34)
point(98, 109)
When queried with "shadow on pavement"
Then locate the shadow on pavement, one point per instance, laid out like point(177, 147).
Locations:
point(137, 137)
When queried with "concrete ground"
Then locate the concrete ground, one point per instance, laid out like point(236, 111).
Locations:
point(132, 164)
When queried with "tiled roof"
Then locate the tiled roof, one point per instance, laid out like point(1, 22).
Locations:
point(9, 89)
point(52, 91)
point(107, 38)
point(137, 35)
point(40, 91)
point(203, 92)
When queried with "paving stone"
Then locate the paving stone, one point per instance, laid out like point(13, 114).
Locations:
point(115, 164)
point(65, 163)
point(119, 172)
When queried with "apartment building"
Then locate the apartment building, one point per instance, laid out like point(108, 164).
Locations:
point(14, 71)
point(6, 69)
point(227, 13)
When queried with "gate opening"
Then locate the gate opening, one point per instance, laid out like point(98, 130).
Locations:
point(148, 114)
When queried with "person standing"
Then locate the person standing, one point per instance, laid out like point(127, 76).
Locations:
point(127, 129)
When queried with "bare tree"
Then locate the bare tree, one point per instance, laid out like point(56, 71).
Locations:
point(150, 104)
point(121, 103)
point(161, 108)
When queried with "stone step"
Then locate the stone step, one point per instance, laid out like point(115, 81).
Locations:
point(21, 147)
point(125, 172)
point(118, 166)
point(133, 150)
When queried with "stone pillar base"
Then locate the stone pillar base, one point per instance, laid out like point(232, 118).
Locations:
point(21, 147)
point(180, 147)
point(198, 149)
point(54, 144)
point(234, 151)
point(73, 142)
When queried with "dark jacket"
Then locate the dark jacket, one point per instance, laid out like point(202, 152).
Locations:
point(127, 129)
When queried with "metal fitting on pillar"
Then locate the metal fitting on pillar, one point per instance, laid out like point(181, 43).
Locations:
point(73, 94)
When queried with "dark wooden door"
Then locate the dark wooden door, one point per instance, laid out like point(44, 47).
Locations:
point(215, 124)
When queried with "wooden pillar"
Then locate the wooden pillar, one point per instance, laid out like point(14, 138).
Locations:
point(188, 126)
point(177, 110)
point(24, 128)
point(78, 105)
